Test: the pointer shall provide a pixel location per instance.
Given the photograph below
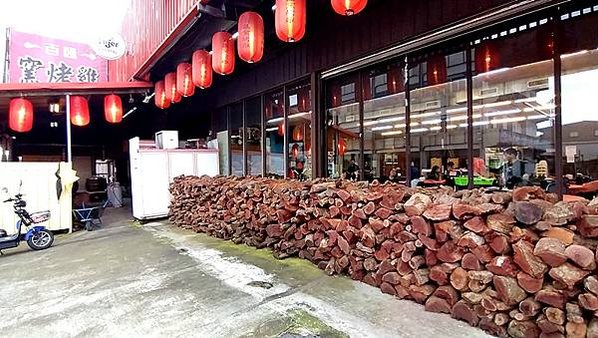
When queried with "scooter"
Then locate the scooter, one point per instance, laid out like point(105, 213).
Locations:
point(37, 237)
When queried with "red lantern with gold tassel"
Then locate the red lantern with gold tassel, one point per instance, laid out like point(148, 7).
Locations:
point(281, 129)
point(172, 94)
point(160, 96)
point(395, 79)
point(20, 115)
point(342, 147)
point(298, 133)
point(184, 83)
point(487, 57)
point(436, 70)
point(113, 108)
point(295, 151)
point(201, 68)
point(348, 7)
point(79, 111)
point(290, 20)
point(250, 42)
point(223, 53)
point(304, 99)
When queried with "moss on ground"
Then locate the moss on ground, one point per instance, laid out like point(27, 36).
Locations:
point(295, 323)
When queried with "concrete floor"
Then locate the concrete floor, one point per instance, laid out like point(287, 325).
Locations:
point(154, 280)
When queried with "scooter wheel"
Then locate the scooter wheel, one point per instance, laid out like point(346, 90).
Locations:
point(41, 240)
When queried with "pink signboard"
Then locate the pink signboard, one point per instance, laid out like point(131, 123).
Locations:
point(34, 58)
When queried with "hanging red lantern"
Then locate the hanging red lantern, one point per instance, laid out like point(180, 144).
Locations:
point(342, 147)
point(170, 82)
point(348, 7)
point(295, 151)
point(79, 111)
point(290, 20)
point(487, 57)
point(223, 53)
point(436, 70)
point(160, 96)
point(308, 148)
point(281, 129)
point(113, 108)
point(335, 95)
point(201, 68)
point(304, 99)
point(20, 115)
point(184, 83)
point(298, 133)
point(251, 37)
point(395, 79)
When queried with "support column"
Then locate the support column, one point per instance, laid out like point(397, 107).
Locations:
point(69, 145)
point(469, 75)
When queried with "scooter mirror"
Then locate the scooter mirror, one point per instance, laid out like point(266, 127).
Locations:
point(4, 190)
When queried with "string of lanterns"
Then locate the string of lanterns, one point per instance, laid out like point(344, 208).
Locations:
point(20, 112)
point(290, 20)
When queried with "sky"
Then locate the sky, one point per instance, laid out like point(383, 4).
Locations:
point(74, 20)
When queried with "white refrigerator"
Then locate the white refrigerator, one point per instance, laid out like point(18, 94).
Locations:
point(152, 171)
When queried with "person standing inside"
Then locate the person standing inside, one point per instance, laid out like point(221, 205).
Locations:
point(513, 169)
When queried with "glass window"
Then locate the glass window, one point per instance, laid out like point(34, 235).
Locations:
point(342, 130)
point(579, 90)
point(253, 121)
point(438, 106)
point(220, 128)
point(513, 91)
point(384, 125)
point(274, 143)
point(236, 139)
point(299, 141)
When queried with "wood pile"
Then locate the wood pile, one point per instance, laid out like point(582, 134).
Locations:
point(515, 264)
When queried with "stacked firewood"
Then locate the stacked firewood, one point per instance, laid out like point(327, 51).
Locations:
point(518, 264)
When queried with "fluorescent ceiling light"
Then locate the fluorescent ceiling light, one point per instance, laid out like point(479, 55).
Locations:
point(419, 130)
point(236, 35)
point(274, 120)
point(272, 129)
point(503, 112)
point(475, 124)
point(391, 119)
point(436, 128)
point(537, 117)
point(493, 104)
point(390, 133)
point(464, 117)
point(451, 126)
point(437, 121)
point(381, 128)
point(456, 110)
point(370, 123)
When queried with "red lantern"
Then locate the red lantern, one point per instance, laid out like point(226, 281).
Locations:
point(295, 151)
point(308, 148)
point(395, 79)
point(290, 20)
point(201, 69)
point(298, 133)
point(336, 95)
point(348, 7)
point(160, 96)
point(281, 129)
point(251, 37)
point(304, 99)
point(79, 111)
point(20, 115)
point(342, 147)
point(223, 53)
point(486, 57)
point(436, 70)
point(184, 83)
point(172, 94)
point(113, 108)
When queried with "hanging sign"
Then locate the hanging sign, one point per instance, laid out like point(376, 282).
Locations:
point(109, 47)
point(38, 59)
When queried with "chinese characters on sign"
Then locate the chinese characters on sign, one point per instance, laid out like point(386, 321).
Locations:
point(35, 59)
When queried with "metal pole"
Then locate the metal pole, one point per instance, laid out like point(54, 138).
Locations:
point(263, 131)
point(244, 139)
point(359, 93)
point(558, 121)
point(69, 145)
point(285, 126)
point(407, 124)
point(470, 141)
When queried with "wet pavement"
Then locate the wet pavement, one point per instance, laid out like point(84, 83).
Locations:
point(155, 280)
